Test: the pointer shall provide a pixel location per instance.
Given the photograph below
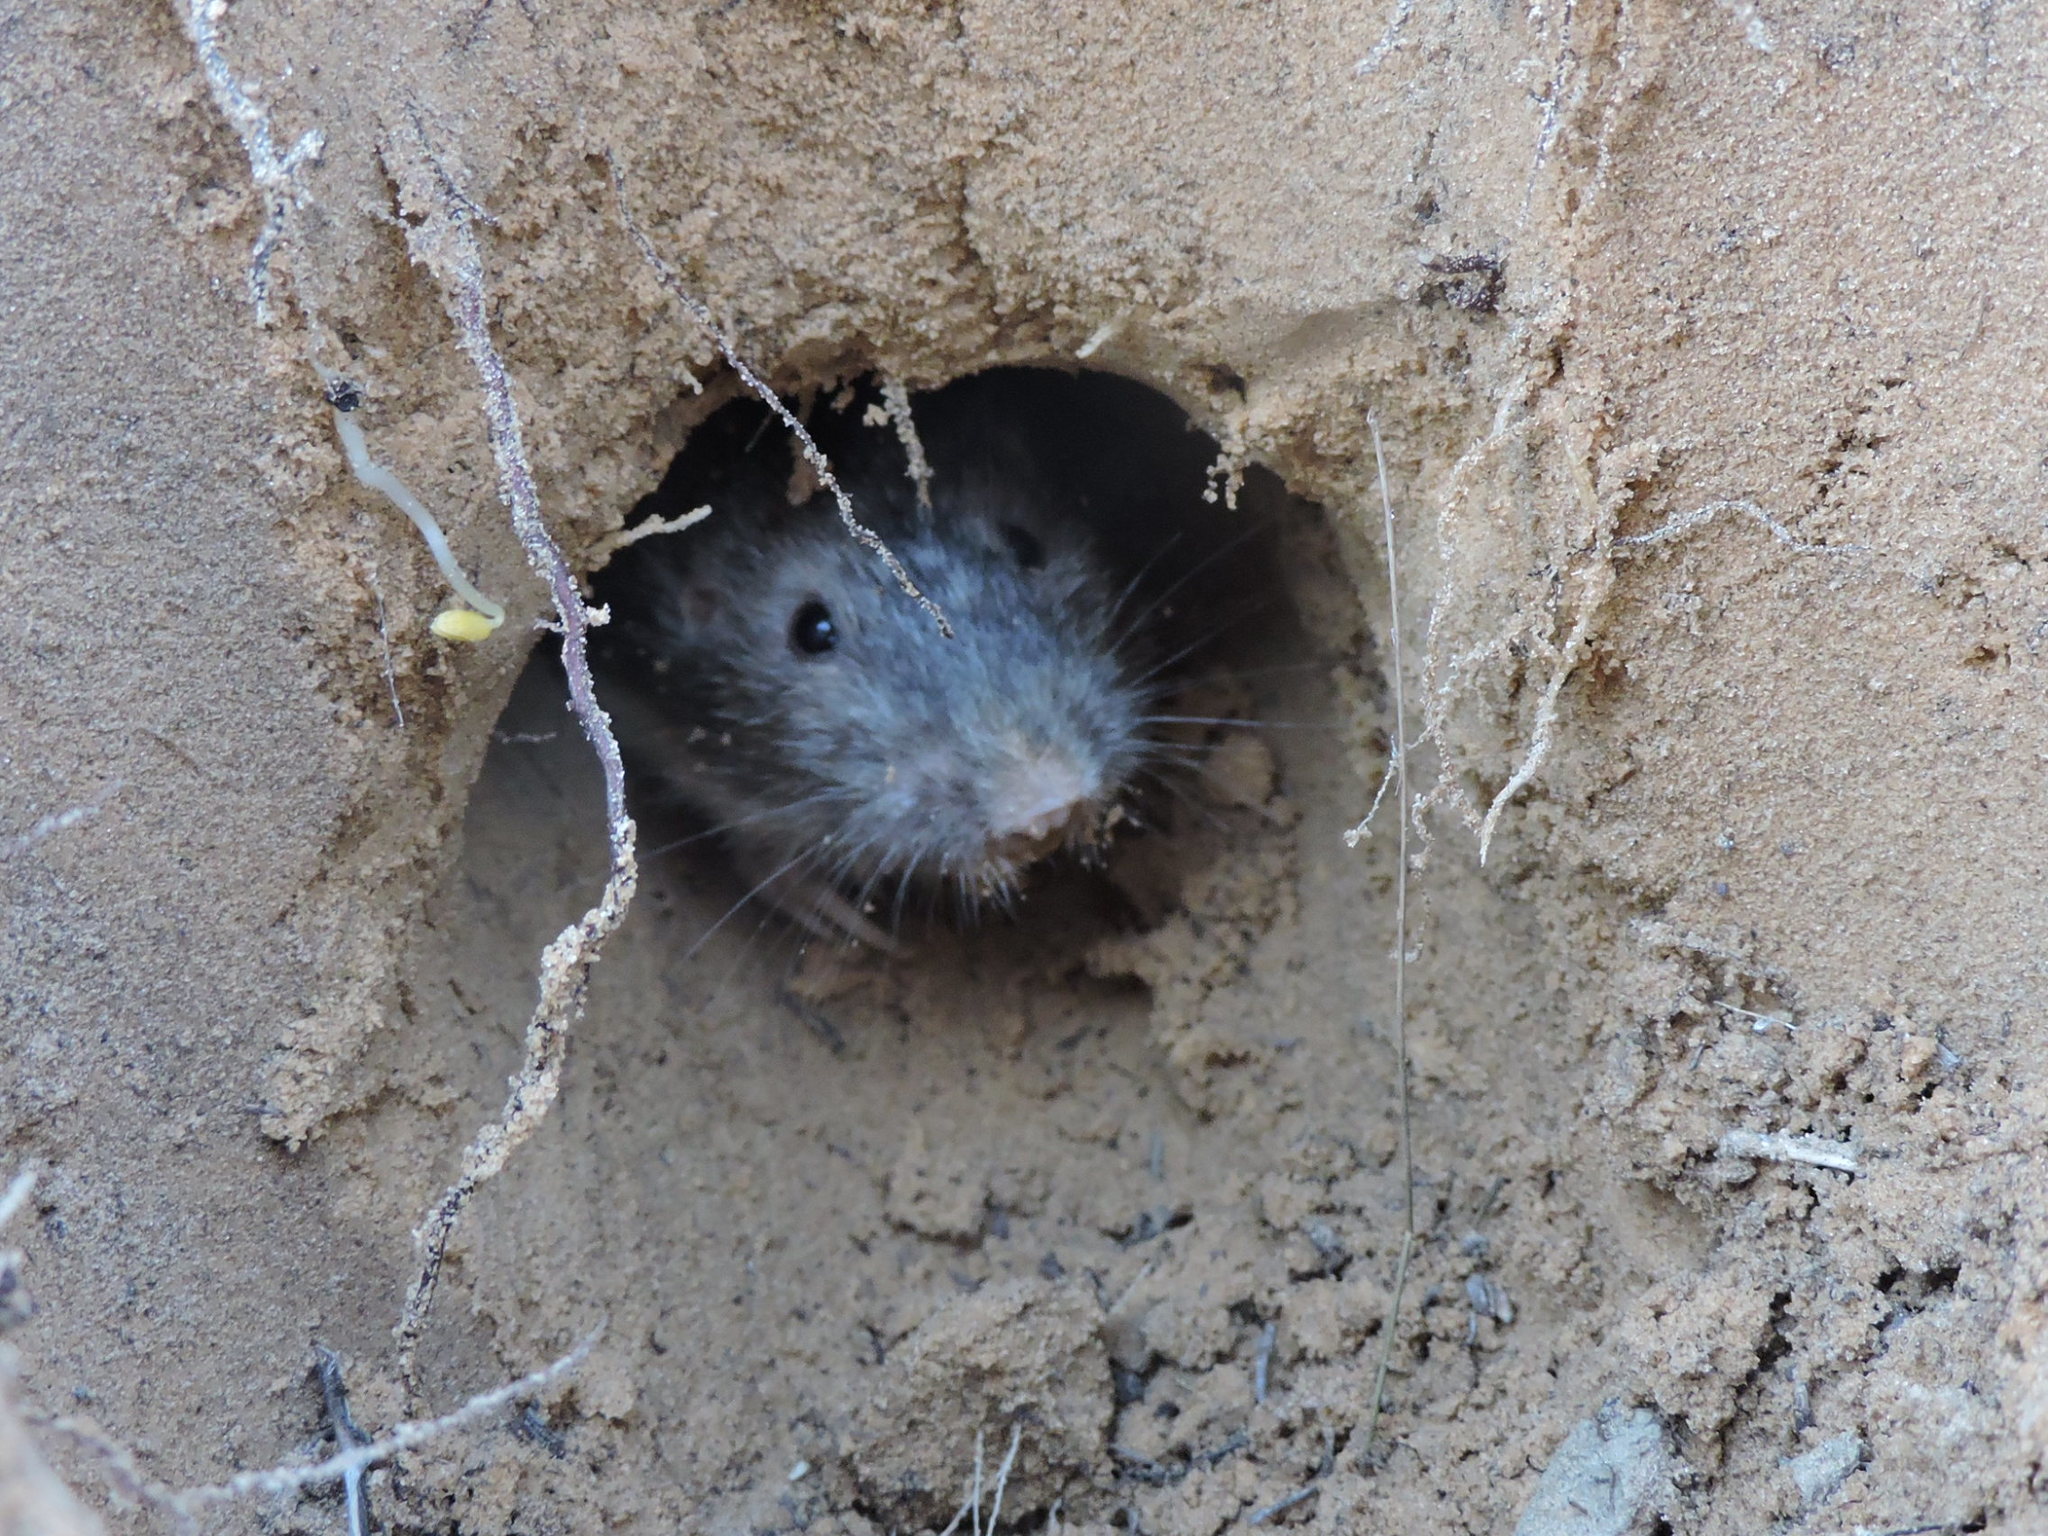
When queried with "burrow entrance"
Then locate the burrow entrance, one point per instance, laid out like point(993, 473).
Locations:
point(1115, 1174)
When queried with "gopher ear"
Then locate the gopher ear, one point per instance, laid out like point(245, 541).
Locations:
point(699, 603)
point(1023, 543)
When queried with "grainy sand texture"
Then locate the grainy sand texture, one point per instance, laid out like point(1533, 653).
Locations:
point(1703, 345)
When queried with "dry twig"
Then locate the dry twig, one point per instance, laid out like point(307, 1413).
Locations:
point(1379, 1377)
point(1812, 1150)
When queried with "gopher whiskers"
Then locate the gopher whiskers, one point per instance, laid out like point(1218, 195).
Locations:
point(1240, 721)
point(1227, 547)
point(801, 858)
point(753, 819)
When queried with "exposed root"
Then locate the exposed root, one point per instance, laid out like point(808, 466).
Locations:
point(400, 1438)
point(374, 476)
point(1399, 767)
point(34, 1501)
point(1599, 576)
point(599, 555)
point(1699, 517)
point(19, 1188)
point(1102, 336)
point(16, 1305)
point(276, 176)
point(347, 1437)
point(446, 243)
point(1556, 107)
point(971, 1505)
point(135, 1488)
point(896, 400)
point(50, 825)
point(1544, 728)
point(1515, 418)
point(694, 307)
point(1389, 40)
point(1281, 1506)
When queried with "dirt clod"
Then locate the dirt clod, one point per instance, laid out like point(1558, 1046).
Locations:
point(1020, 1354)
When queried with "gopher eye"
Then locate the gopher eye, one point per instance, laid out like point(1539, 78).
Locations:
point(1025, 545)
point(812, 632)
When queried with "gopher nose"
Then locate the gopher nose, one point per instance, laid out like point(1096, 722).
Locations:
point(1033, 802)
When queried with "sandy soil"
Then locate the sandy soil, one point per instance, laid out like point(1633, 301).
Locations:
point(1699, 339)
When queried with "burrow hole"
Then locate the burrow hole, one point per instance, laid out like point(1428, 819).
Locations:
point(1229, 604)
point(777, 1154)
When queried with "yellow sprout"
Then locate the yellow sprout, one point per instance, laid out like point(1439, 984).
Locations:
point(454, 623)
point(464, 624)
